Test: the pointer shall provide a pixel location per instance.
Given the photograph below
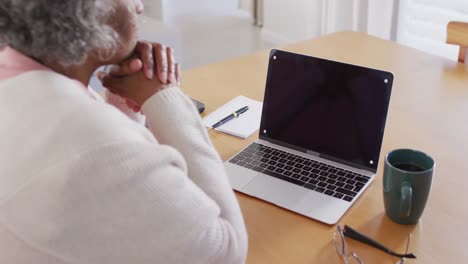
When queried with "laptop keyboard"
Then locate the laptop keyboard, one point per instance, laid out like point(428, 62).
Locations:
point(310, 174)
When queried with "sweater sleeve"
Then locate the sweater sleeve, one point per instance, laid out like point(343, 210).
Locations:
point(174, 120)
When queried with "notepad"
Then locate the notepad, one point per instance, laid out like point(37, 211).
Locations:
point(243, 126)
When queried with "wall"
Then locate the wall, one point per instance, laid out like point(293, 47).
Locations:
point(290, 21)
point(382, 16)
point(183, 7)
point(247, 5)
point(296, 20)
point(166, 10)
point(153, 9)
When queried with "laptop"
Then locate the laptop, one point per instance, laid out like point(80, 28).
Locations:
point(320, 136)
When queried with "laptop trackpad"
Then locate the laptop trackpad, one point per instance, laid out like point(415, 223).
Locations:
point(276, 191)
point(239, 176)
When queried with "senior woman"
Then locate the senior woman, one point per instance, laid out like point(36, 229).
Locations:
point(80, 182)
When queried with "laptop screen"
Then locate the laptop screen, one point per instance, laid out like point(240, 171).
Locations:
point(332, 109)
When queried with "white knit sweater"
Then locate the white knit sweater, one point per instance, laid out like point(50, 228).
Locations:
point(82, 183)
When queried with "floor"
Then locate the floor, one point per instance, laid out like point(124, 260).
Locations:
point(208, 39)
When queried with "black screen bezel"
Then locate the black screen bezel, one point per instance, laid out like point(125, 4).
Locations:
point(385, 75)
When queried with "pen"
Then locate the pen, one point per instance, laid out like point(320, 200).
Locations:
point(231, 116)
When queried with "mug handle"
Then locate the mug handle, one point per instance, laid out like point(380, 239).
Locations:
point(406, 200)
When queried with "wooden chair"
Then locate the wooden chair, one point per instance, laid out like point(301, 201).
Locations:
point(457, 34)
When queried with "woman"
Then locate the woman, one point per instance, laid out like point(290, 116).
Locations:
point(80, 182)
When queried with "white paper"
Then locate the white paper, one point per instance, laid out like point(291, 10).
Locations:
point(244, 125)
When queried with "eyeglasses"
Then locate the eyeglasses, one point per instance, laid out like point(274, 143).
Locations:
point(341, 248)
point(352, 257)
point(402, 260)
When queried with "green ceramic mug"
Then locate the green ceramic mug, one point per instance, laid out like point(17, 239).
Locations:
point(406, 184)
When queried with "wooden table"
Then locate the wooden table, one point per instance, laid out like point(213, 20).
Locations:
point(428, 111)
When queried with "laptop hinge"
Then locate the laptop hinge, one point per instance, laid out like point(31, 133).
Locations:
point(310, 152)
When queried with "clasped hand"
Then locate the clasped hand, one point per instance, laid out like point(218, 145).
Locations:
point(151, 68)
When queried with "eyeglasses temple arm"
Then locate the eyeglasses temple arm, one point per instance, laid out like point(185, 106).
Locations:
point(353, 234)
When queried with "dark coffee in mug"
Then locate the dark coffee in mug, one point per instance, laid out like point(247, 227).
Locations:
point(409, 167)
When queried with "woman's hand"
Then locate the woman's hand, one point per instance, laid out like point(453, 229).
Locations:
point(135, 87)
point(149, 57)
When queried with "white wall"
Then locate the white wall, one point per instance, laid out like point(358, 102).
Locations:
point(166, 10)
point(247, 5)
point(296, 20)
point(290, 21)
point(382, 18)
point(153, 9)
point(182, 7)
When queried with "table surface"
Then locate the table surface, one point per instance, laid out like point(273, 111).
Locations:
point(428, 111)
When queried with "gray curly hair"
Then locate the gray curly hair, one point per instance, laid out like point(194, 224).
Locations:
point(62, 31)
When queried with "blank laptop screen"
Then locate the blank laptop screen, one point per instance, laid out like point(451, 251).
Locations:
point(334, 109)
